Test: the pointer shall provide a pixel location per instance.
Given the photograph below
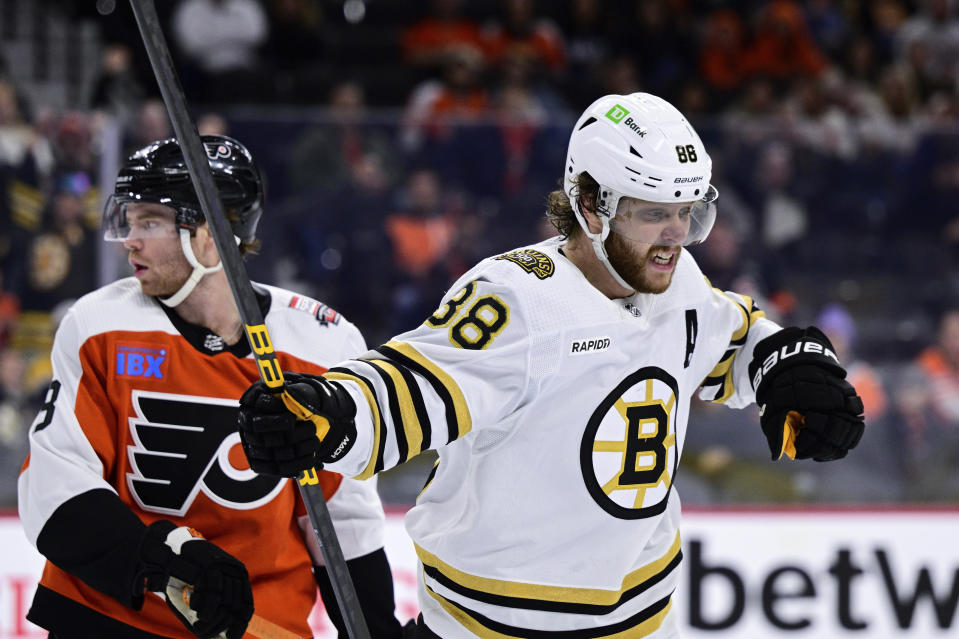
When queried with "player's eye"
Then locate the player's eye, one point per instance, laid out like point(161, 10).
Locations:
point(652, 216)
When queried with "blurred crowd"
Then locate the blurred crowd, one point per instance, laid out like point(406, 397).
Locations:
point(402, 142)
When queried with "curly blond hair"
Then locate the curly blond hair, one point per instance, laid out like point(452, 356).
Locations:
point(559, 210)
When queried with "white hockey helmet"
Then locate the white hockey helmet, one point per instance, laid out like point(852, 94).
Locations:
point(640, 146)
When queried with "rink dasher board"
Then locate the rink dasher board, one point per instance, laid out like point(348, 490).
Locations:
point(886, 573)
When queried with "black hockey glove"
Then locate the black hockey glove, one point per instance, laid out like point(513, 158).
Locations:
point(279, 442)
point(220, 598)
point(806, 406)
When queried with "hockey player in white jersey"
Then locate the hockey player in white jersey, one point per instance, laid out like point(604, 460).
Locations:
point(555, 381)
point(136, 448)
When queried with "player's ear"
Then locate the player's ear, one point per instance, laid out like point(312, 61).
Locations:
point(204, 246)
point(589, 213)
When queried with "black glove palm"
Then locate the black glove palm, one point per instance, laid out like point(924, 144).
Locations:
point(807, 408)
point(221, 597)
point(277, 442)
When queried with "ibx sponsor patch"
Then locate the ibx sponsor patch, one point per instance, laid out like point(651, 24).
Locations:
point(146, 361)
point(585, 346)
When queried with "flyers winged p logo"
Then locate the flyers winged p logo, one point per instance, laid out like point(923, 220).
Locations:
point(181, 448)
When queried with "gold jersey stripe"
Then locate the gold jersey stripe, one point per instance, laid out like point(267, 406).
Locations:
point(722, 373)
point(562, 594)
point(750, 313)
point(739, 334)
point(374, 410)
point(412, 429)
point(468, 621)
point(439, 378)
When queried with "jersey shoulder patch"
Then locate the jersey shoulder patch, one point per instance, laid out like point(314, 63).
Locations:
point(531, 261)
point(325, 315)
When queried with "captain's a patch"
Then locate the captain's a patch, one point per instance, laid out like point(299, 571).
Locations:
point(531, 261)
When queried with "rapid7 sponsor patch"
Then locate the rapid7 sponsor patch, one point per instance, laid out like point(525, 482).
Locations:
point(592, 345)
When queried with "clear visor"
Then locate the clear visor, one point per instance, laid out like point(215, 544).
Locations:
point(665, 223)
point(124, 221)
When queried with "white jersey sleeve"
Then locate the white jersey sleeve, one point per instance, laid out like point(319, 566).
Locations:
point(58, 443)
point(737, 317)
point(463, 370)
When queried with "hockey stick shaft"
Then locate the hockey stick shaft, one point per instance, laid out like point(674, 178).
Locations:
point(196, 160)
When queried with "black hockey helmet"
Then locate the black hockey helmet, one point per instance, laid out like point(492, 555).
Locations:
point(158, 173)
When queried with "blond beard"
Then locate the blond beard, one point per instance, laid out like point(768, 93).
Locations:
point(632, 267)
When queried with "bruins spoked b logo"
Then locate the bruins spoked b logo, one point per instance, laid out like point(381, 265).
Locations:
point(628, 453)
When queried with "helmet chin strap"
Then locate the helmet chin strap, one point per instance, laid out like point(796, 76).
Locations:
point(198, 272)
point(598, 241)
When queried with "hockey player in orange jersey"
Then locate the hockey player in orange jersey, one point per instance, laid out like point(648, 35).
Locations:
point(136, 447)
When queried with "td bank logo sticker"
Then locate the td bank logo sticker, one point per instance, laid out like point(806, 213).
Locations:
point(617, 113)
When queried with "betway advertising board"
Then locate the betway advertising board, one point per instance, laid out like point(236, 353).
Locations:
point(871, 574)
point(757, 573)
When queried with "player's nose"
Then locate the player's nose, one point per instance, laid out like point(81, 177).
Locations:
point(674, 234)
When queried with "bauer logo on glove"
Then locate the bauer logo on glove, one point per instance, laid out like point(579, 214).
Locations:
point(784, 353)
point(300, 426)
point(807, 409)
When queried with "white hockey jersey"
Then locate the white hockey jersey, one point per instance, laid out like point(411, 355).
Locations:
point(559, 416)
point(145, 405)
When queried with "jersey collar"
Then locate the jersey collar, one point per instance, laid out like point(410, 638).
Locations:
point(204, 340)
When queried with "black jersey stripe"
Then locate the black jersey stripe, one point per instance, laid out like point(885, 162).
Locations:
point(379, 426)
point(720, 393)
point(714, 379)
point(407, 408)
point(722, 373)
point(429, 478)
point(643, 623)
point(419, 406)
point(458, 421)
point(441, 389)
point(720, 385)
point(722, 376)
point(517, 594)
point(554, 606)
point(396, 413)
point(739, 337)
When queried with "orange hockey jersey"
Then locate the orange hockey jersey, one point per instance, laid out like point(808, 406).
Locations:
point(144, 405)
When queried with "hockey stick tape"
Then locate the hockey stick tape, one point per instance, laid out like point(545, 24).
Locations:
point(178, 593)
